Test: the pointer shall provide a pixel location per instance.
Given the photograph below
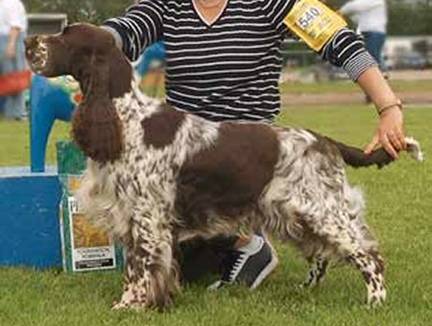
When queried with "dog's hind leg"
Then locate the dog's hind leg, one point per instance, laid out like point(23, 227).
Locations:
point(371, 265)
point(150, 275)
point(345, 236)
point(317, 272)
point(366, 258)
point(348, 245)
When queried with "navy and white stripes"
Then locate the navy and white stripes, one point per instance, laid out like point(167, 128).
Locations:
point(228, 70)
point(347, 50)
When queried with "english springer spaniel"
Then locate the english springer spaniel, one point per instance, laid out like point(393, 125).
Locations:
point(157, 176)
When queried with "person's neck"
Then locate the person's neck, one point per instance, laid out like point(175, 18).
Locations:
point(210, 4)
point(210, 10)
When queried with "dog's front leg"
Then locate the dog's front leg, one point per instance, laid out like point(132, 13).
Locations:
point(151, 274)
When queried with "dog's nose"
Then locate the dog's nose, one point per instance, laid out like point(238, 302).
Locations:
point(30, 44)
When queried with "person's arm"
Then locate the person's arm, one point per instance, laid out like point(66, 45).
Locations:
point(12, 42)
point(356, 6)
point(344, 48)
point(390, 132)
point(138, 28)
point(16, 18)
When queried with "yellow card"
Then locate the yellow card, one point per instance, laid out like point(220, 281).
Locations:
point(314, 22)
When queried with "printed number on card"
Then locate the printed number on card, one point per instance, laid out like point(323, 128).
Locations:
point(314, 22)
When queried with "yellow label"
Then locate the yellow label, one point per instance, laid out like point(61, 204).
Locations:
point(74, 183)
point(314, 22)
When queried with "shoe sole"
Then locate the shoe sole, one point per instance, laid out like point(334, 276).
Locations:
point(260, 278)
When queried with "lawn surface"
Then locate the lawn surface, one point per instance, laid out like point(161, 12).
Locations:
point(347, 87)
point(399, 206)
point(15, 142)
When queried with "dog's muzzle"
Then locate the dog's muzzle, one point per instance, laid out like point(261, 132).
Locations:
point(37, 53)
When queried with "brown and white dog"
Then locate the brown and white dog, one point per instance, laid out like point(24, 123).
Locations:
point(157, 176)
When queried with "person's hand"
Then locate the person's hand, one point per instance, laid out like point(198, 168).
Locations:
point(390, 133)
point(10, 52)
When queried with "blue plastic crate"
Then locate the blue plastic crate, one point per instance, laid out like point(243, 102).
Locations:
point(29, 221)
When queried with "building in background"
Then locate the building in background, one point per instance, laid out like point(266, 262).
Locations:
point(42, 23)
point(408, 52)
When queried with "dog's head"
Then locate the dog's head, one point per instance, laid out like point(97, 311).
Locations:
point(90, 55)
point(83, 51)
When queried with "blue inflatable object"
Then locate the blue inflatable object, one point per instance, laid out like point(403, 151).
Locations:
point(29, 222)
point(156, 52)
point(48, 102)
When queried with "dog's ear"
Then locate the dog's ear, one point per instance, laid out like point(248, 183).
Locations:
point(96, 127)
point(97, 130)
point(120, 72)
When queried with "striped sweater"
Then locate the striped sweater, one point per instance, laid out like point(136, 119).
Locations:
point(228, 70)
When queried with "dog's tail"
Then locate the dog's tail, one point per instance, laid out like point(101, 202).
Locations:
point(355, 157)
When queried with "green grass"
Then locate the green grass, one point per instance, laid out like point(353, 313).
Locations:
point(15, 142)
point(350, 87)
point(399, 206)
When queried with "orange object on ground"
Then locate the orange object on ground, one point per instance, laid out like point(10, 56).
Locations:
point(14, 82)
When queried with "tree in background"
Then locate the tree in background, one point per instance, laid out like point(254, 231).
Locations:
point(94, 11)
point(410, 17)
point(406, 17)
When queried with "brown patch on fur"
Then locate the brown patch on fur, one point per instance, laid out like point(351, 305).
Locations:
point(97, 130)
point(352, 156)
point(229, 177)
point(120, 74)
point(160, 129)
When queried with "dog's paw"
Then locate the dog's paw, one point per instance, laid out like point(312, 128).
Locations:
point(376, 299)
point(304, 286)
point(119, 305)
point(123, 305)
